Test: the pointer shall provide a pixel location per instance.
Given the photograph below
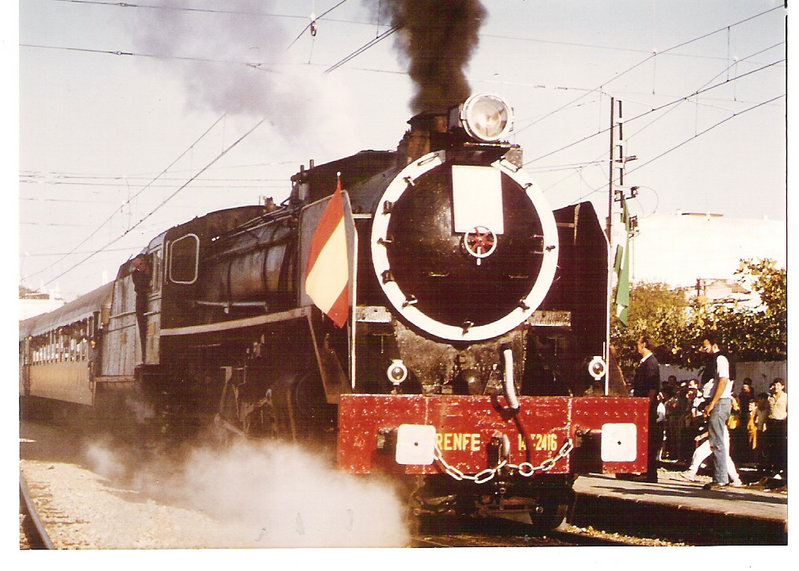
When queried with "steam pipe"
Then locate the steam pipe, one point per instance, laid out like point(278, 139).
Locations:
point(510, 386)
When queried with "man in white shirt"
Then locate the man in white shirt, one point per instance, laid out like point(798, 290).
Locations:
point(703, 450)
point(718, 409)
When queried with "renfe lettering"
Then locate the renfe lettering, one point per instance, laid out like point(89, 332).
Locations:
point(458, 441)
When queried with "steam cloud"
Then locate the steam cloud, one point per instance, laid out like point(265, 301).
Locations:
point(264, 494)
point(230, 57)
point(207, 47)
point(437, 37)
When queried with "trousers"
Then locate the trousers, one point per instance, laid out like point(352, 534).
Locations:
point(717, 429)
point(703, 451)
point(777, 445)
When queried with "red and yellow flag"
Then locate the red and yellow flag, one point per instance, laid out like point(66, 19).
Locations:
point(327, 278)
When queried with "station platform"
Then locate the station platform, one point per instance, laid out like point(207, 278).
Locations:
point(750, 515)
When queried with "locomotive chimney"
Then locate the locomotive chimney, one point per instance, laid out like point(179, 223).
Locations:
point(427, 132)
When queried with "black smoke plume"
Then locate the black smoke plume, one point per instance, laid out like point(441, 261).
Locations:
point(437, 37)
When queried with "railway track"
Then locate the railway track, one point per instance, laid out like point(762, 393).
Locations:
point(82, 509)
point(33, 534)
point(77, 529)
point(80, 524)
point(499, 532)
point(551, 539)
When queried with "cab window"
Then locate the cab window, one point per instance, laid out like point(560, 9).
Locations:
point(155, 275)
point(183, 254)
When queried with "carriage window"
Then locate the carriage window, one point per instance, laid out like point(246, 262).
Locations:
point(183, 254)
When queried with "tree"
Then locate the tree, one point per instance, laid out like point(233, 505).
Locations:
point(676, 322)
point(753, 334)
point(657, 310)
point(770, 283)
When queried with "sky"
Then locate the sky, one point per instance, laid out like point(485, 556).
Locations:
point(133, 119)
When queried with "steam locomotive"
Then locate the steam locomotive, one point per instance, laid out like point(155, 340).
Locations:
point(467, 360)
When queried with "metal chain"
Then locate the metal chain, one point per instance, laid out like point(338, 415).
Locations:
point(525, 469)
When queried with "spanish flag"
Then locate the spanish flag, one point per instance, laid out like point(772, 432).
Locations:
point(327, 278)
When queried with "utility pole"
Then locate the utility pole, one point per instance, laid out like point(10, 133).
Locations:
point(610, 260)
point(609, 221)
point(618, 161)
point(616, 193)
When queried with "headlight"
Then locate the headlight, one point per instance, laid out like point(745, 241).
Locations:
point(486, 117)
point(597, 367)
point(397, 372)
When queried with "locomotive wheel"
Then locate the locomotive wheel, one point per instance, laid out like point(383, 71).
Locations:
point(262, 420)
point(552, 516)
point(553, 509)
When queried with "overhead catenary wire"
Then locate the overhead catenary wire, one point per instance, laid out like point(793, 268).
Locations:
point(602, 92)
point(257, 65)
point(231, 185)
point(656, 109)
point(311, 23)
point(181, 8)
point(174, 8)
point(162, 203)
point(264, 66)
point(40, 176)
point(642, 62)
point(676, 100)
point(363, 48)
point(37, 176)
point(194, 186)
point(50, 254)
point(603, 187)
point(708, 82)
point(600, 47)
point(702, 132)
point(568, 166)
point(232, 12)
point(145, 187)
point(637, 117)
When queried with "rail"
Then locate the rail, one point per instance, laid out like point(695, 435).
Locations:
point(40, 540)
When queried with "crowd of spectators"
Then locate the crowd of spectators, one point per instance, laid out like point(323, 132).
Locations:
point(757, 428)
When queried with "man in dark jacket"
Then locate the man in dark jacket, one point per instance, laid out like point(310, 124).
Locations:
point(646, 384)
point(141, 285)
